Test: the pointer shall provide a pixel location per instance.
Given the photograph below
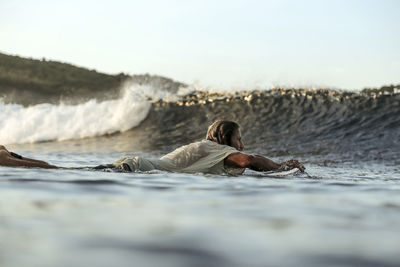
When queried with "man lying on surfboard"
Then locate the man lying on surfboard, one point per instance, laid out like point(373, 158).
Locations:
point(219, 153)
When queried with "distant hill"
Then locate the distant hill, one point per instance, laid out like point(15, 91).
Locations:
point(31, 81)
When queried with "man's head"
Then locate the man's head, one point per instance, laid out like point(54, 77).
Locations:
point(225, 133)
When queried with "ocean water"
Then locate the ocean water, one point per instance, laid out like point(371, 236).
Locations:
point(345, 211)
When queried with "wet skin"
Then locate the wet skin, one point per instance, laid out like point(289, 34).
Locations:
point(256, 162)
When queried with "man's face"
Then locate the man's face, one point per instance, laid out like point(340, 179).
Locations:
point(236, 140)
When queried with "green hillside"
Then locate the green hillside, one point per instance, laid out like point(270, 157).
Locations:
point(31, 81)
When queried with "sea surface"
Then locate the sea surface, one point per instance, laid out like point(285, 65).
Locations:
point(344, 211)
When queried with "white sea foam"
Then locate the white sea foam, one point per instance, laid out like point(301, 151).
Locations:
point(47, 122)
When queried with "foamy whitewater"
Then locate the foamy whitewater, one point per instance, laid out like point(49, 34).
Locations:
point(47, 122)
point(344, 212)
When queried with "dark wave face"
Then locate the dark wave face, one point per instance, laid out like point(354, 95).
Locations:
point(324, 125)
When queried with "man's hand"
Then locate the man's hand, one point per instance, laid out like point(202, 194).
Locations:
point(293, 163)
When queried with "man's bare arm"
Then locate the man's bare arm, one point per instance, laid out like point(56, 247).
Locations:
point(260, 163)
point(6, 159)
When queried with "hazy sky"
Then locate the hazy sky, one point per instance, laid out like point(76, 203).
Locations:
point(344, 44)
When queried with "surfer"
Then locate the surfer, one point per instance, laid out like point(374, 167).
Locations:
point(220, 153)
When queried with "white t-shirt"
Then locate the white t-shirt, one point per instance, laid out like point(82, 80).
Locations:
point(205, 156)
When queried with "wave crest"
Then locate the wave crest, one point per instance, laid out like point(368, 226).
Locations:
point(48, 122)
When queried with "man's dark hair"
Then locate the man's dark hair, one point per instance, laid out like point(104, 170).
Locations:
point(221, 132)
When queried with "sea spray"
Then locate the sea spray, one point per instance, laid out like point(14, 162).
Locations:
point(48, 122)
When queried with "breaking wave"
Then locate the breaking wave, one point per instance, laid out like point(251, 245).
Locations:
point(49, 122)
point(347, 125)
